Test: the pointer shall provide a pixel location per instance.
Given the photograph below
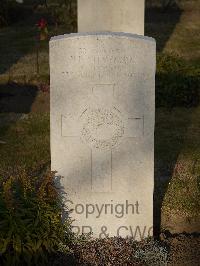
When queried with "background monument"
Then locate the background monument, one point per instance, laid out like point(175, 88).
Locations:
point(111, 15)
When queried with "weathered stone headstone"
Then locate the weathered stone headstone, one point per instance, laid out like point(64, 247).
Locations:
point(111, 15)
point(102, 130)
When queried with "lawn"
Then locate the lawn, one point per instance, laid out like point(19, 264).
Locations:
point(24, 130)
point(25, 137)
point(177, 168)
point(25, 145)
point(25, 142)
point(175, 31)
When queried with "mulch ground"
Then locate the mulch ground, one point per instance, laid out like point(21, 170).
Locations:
point(182, 250)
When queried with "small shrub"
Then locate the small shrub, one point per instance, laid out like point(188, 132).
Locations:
point(30, 220)
point(177, 83)
point(64, 13)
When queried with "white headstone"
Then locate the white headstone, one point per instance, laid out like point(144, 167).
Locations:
point(102, 130)
point(111, 15)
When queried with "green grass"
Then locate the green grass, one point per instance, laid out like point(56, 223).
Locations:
point(177, 154)
point(178, 31)
point(177, 136)
point(173, 31)
point(18, 51)
point(26, 143)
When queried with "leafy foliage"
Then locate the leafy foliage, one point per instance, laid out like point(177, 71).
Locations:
point(177, 82)
point(30, 220)
point(63, 12)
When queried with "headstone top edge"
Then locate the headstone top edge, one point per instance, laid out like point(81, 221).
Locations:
point(111, 34)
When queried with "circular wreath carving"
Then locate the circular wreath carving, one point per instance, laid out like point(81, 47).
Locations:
point(102, 128)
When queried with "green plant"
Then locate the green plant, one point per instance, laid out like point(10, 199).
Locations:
point(31, 229)
point(64, 13)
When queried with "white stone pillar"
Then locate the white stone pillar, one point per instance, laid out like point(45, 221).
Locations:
point(111, 15)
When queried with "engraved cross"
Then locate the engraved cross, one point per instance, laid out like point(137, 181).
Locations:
point(101, 129)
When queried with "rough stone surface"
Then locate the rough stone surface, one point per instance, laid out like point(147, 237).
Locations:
point(102, 130)
point(111, 15)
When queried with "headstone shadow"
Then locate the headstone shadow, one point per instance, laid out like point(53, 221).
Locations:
point(160, 23)
point(17, 39)
point(16, 98)
point(165, 164)
point(15, 101)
